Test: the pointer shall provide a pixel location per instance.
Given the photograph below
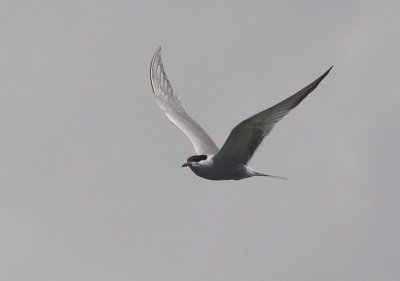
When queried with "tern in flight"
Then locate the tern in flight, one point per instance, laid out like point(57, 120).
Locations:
point(229, 162)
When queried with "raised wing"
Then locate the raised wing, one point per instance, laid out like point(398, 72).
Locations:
point(247, 135)
point(173, 108)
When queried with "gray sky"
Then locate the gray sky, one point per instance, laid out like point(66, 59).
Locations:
point(90, 181)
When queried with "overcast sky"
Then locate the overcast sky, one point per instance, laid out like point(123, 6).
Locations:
point(91, 186)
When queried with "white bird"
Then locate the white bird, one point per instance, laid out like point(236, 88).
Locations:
point(229, 162)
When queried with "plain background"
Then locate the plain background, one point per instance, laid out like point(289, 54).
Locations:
point(90, 181)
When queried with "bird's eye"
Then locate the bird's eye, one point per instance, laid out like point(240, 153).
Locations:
point(203, 157)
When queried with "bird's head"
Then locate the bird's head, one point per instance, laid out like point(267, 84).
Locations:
point(195, 160)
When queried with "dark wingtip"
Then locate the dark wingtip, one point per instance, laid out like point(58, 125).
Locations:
point(326, 72)
point(323, 75)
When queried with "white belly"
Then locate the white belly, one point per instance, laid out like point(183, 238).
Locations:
point(222, 171)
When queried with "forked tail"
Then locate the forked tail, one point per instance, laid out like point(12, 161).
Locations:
point(271, 176)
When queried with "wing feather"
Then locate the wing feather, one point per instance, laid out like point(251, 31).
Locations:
point(245, 138)
point(174, 110)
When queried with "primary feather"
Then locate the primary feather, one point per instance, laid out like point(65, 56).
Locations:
point(174, 110)
point(245, 138)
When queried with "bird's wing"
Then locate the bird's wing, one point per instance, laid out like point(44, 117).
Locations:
point(247, 135)
point(173, 108)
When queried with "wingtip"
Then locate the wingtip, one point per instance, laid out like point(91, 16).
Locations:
point(324, 75)
point(156, 53)
point(329, 69)
point(156, 56)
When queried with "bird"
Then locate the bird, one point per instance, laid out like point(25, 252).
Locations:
point(229, 162)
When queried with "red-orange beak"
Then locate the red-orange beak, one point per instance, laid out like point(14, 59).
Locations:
point(187, 164)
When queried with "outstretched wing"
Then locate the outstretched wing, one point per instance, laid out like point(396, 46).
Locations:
point(173, 108)
point(247, 135)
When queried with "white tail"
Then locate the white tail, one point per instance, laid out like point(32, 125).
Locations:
point(258, 174)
